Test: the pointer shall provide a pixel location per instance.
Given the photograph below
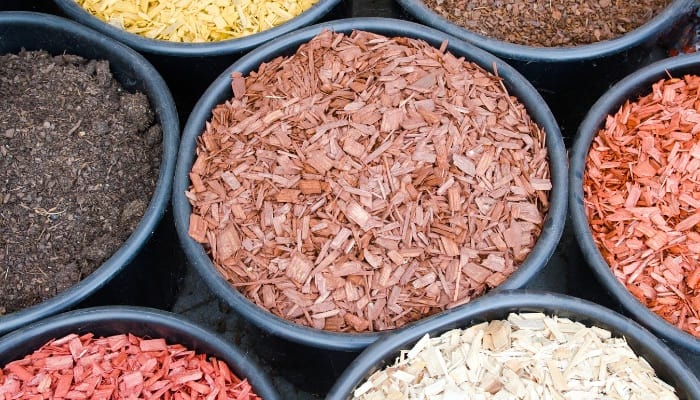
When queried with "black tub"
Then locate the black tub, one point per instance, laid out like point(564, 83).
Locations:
point(571, 78)
point(666, 364)
point(323, 343)
point(188, 68)
point(143, 322)
point(34, 31)
point(635, 85)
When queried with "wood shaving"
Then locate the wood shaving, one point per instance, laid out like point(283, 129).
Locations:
point(119, 367)
point(642, 198)
point(527, 356)
point(377, 181)
point(195, 21)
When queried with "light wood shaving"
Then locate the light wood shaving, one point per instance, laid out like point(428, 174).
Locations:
point(527, 356)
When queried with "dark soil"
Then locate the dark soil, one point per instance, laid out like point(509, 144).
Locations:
point(549, 23)
point(79, 159)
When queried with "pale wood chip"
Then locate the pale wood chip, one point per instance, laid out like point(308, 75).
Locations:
point(353, 147)
point(299, 268)
point(320, 162)
point(357, 214)
point(522, 360)
point(230, 179)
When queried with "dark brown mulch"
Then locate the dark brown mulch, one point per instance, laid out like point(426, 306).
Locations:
point(549, 23)
point(79, 159)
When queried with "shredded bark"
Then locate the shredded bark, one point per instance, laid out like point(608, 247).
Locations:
point(366, 182)
point(527, 356)
point(119, 367)
point(547, 23)
point(642, 199)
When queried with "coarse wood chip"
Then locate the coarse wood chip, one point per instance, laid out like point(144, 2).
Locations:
point(366, 182)
point(119, 367)
point(195, 21)
point(527, 356)
point(642, 198)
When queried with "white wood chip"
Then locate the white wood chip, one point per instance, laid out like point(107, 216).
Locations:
point(528, 356)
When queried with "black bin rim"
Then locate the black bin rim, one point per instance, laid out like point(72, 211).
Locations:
point(384, 350)
point(164, 108)
point(630, 87)
point(220, 48)
point(220, 90)
point(140, 321)
point(651, 29)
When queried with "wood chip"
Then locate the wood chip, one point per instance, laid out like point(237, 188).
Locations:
point(641, 197)
point(400, 188)
point(527, 356)
point(310, 186)
point(119, 367)
point(299, 268)
point(192, 22)
point(355, 213)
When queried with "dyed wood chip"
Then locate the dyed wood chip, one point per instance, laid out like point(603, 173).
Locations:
point(195, 21)
point(527, 356)
point(642, 198)
point(119, 367)
point(366, 182)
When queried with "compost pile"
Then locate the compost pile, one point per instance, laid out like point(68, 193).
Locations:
point(547, 23)
point(366, 182)
point(79, 159)
point(119, 367)
point(528, 356)
point(642, 198)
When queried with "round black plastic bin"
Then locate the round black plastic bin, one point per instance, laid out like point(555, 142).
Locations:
point(383, 353)
point(142, 322)
point(571, 78)
point(630, 88)
point(146, 274)
point(330, 350)
point(189, 68)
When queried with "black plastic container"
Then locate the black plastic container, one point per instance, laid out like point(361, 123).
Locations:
point(630, 88)
point(572, 78)
point(27, 5)
point(142, 322)
point(188, 68)
point(146, 276)
point(383, 353)
point(333, 350)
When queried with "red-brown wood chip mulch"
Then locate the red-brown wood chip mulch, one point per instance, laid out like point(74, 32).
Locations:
point(366, 182)
point(119, 367)
point(642, 196)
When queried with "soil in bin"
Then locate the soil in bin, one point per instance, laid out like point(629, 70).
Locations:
point(79, 159)
point(544, 23)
